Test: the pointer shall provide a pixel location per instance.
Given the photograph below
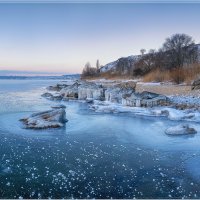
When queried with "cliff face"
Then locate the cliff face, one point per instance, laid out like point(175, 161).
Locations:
point(122, 66)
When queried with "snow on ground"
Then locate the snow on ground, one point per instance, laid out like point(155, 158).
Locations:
point(149, 83)
point(109, 66)
point(113, 65)
point(182, 99)
point(103, 80)
point(108, 107)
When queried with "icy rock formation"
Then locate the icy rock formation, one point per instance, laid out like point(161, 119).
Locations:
point(54, 118)
point(58, 106)
point(196, 84)
point(116, 92)
point(47, 95)
point(58, 87)
point(144, 99)
point(182, 129)
point(79, 90)
point(55, 97)
point(88, 90)
point(123, 93)
point(70, 92)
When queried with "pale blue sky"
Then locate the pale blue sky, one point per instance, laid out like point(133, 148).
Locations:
point(63, 37)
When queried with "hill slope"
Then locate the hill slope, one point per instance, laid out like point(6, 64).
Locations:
point(140, 64)
point(122, 66)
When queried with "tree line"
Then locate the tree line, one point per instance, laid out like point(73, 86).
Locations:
point(177, 51)
point(89, 71)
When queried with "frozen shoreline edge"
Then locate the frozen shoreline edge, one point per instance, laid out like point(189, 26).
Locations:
point(188, 114)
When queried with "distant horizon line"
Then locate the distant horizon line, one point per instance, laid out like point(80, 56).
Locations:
point(34, 73)
point(23, 75)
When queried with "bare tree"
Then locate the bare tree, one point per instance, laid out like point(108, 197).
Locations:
point(88, 70)
point(97, 65)
point(152, 51)
point(142, 51)
point(145, 64)
point(178, 48)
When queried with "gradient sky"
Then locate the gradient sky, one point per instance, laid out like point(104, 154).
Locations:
point(63, 37)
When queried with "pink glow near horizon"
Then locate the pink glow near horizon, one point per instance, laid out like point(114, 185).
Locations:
point(63, 37)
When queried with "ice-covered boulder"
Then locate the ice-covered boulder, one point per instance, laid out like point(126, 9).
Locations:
point(58, 87)
point(144, 99)
point(116, 92)
point(196, 84)
point(47, 95)
point(54, 97)
point(81, 90)
point(89, 90)
point(54, 118)
point(70, 92)
point(182, 129)
point(58, 106)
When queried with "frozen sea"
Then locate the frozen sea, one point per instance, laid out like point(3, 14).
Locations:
point(96, 155)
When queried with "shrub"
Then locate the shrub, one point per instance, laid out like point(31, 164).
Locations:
point(177, 75)
point(157, 76)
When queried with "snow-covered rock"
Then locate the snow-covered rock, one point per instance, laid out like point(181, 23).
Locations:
point(109, 107)
point(168, 112)
point(116, 92)
point(182, 129)
point(56, 97)
point(189, 115)
point(58, 106)
point(54, 118)
point(144, 99)
point(196, 84)
point(53, 97)
point(58, 87)
point(70, 92)
point(89, 90)
point(47, 95)
point(81, 90)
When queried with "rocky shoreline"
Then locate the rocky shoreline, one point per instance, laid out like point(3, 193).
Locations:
point(114, 97)
point(123, 93)
point(128, 93)
point(181, 96)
